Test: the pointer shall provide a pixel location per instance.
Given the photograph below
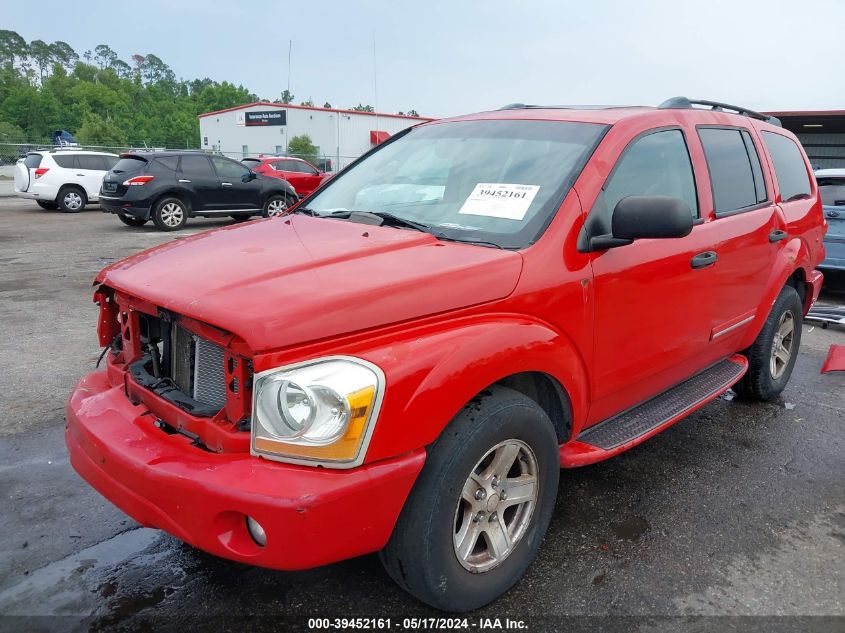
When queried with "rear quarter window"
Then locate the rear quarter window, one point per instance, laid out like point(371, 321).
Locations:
point(64, 161)
point(790, 169)
point(166, 163)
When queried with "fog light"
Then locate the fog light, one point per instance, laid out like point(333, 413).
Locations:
point(256, 531)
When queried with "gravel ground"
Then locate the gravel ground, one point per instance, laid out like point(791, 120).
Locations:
point(734, 518)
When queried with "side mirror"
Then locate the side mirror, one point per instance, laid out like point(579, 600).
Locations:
point(645, 217)
point(250, 175)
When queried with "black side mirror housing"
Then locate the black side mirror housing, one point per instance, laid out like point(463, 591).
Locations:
point(640, 217)
point(250, 175)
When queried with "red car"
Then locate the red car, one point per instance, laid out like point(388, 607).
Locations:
point(301, 174)
point(404, 365)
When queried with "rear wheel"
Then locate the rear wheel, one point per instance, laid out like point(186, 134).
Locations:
point(277, 205)
point(129, 220)
point(772, 356)
point(47, 205)
point(170, 214)
point(478, 512)
point(71, 199)
point(241, 217)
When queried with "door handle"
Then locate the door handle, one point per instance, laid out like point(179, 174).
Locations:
point(777, 235)
point(226, 184)
point(702, 260)
point(184, 180)
point(80, 174)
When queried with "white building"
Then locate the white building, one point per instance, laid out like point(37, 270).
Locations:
point(265, 128)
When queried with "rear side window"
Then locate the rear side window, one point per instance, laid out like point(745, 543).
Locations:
point(167, 162)
point(196, 165)
point(128, 164)
point(64, 161)
point(732, 168)
point(791, 172)
point(87, 161)
point(32, 160)
point(654, 165)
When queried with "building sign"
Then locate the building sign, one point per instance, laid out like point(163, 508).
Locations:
point(272, 117)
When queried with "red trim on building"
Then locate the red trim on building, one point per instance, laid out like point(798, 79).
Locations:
point(269, 104)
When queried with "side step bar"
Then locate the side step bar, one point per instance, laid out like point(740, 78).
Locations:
point(629, 428)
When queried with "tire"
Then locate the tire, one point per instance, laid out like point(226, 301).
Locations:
point(280, 202)
point(170, 214)
point(71, 200)
point(768, 371)
point(241, 217)
point(128, 220)
point(422, 554)
point(52, 206)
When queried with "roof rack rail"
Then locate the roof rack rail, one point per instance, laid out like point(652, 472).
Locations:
point(683, 103)
point(529, 106)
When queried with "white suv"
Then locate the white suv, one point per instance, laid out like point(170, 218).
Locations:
point(65, 179)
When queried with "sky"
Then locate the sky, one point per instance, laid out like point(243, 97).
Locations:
point(449, 58)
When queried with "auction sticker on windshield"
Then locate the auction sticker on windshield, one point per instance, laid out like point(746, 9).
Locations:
point(500, 200)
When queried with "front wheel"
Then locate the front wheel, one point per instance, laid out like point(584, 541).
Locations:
point(481, 506)
point(240, 217)
point(276, 205)
point(772, 356)
point(170, 214)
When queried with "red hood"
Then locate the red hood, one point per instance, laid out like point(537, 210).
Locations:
point(281, 282)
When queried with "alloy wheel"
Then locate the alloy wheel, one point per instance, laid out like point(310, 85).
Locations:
point(782, 345)
point(73, 201)
point(496, 505)
point(276, 207)
point(172, 214)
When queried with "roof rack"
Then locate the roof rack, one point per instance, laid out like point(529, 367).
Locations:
point(683, 103)
point(528, 106)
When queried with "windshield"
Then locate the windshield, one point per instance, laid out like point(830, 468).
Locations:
point(833, 191)
point(496, 181)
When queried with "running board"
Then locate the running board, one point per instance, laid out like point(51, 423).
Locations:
point(629, 428)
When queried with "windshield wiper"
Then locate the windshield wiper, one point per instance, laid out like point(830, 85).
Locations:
point(469, 240)
point(395, 220)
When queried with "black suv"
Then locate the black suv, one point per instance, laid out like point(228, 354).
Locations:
point(169, 187)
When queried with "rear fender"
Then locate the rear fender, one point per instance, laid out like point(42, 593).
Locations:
point(793, 256)
point(430, 378)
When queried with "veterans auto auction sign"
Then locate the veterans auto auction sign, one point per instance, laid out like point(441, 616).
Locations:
point(272, 117)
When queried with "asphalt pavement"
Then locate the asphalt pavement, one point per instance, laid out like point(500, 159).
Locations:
point(733, 518)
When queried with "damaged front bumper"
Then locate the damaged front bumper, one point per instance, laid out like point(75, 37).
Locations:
point(311, 516)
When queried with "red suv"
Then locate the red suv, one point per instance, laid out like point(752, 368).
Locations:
point(404, 363)
point(301, 174)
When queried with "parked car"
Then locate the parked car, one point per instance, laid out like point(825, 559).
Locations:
point(168, 187)
point(404, 369)
point(832, 188)
point(65, 179)
point(301, 174)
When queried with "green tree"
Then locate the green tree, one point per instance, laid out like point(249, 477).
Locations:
point(42, 54)
point(96, 130)
point(104, 55)
point(308, 102)
point(363, 108)
point(287, 96)
point(64, 54)
point(12, 47)
point(327, 105)
point(10, 133)
point(412, 112)
point(302, 147)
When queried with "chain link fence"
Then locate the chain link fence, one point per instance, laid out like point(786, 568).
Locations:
point(10, 153)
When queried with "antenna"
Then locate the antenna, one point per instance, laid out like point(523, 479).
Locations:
point(375, 85)
point(290, 48)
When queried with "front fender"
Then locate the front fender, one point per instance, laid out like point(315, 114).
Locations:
point(431, 377)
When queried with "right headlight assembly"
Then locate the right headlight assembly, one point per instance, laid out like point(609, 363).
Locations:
point(321, 411)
